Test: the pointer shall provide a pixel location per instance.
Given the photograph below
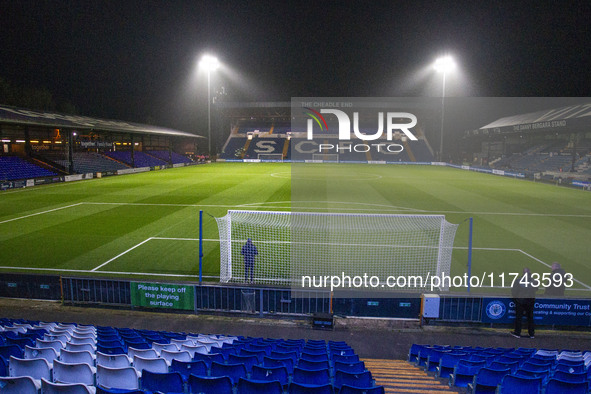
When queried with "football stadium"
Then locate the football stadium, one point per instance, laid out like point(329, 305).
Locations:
point(327, 244)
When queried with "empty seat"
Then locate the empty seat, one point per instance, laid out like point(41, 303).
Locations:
point(146, 353)
point(248, 361)
point(19, 385)
point(198, 368)
point(270, 373)
point(126, 378)
point(355, 367)
point(514, 384)
point(233, 371)
point(46, 353)
point(346, 389)
point(48, 387)
point(302, 388)
point(112, 360)
point(203, 384)
point(73, 373)
point(56, 344)
point(487, 379)
point(170, 355)
point(362, 379)
point(192, 349)
point(307, 376)
point(557, 386)
point(150, 364)
point(168, 382)
point(80, 347)
point(77, 357)
point(307, 364)
point(164, 346)
point(251, 386)
point(36, 368)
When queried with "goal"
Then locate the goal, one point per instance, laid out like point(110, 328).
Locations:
point(291, 245)
point(270, 156)
point(326, 157)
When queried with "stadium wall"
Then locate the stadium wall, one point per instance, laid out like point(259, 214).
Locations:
point(22, 183)
point(268, 301)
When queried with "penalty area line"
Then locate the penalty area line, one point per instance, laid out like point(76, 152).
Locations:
point(120, 254)
point(40, 213)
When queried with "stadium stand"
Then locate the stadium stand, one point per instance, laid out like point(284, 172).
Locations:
point(15, 167)
point(141, 159)
point(506, 370)
point(169, 156)
point(90, 162)
point(236, 364)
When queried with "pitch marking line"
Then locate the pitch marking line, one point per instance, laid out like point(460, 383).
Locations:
point(120, 254)
point(40, 213)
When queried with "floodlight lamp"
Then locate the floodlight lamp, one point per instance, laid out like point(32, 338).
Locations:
point(444, 64)
point(209, 63)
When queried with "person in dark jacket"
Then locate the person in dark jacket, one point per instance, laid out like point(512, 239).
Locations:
point(524, 297)
point(556, 289)
point(249, 251)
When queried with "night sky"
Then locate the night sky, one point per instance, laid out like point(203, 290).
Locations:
point(137, 60)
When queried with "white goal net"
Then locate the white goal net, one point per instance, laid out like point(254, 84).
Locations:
point(290, 245)
point(326, 157)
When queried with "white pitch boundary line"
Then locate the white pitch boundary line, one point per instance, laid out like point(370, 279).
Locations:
point(121, 254)
point(40, 213)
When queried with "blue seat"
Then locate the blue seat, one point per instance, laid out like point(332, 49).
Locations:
point(314, 351)
point(284, 354)
point(101, 390)
point(3, 366)
point(351, 358)
point(302, 388)
point(513, 366)
point(434, 358)
point(515, 384)
point(224, 351)
point(362, 379)
point(487, 380)
point(447, 363)
point(533, 374)
point(111, 349)
point(170, 382)
point(233, 371)
point(314, 357)
point(570, 368)
point(355, 367)
point(203, 384)
point(308, 376)
point(464, 372)
point(185, 368)
point(248, 361)
point(307, 364)
point(258, 353)
point(279, 362)
point(251, 386)
point(571, 376)
point(557, 386)
point(208, 358)
point(346, 389)
point(270, 373)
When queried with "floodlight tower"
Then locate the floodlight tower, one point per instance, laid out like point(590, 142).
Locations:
point(210, 64)
point(443, 65)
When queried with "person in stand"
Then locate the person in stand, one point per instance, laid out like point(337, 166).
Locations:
point(556, 289)
point(249, 251)
point(524, 297)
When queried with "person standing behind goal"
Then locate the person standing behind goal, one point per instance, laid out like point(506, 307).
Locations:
point(249, 251)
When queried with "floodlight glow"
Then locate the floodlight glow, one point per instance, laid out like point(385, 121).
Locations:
point(444, 64)
point(209, 63)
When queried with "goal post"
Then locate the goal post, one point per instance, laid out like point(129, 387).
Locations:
point(270, 156)
point(326, 157)
point(291, 245)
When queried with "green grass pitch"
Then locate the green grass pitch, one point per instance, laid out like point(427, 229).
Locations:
point(146, 225)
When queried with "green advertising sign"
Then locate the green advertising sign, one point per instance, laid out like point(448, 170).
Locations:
point(158, 295)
